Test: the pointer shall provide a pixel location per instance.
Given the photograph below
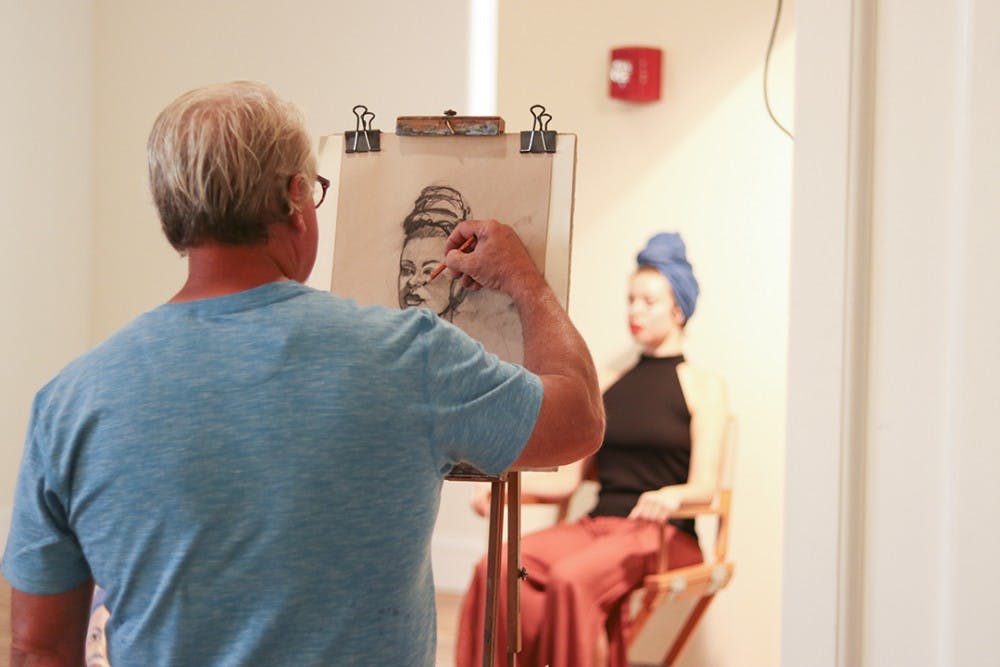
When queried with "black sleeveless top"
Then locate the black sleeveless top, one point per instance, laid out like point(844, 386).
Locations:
point(647, 442)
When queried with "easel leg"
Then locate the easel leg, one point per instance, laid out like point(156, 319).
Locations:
point(513, 567)
point(493, 572)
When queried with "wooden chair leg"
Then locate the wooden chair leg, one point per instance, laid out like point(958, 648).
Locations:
point(685, 634)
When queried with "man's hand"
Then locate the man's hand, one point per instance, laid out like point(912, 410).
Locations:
point(497, 260)
point(570, 423)
point(656, 505)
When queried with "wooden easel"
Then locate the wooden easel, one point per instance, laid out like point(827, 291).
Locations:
point(504, 487)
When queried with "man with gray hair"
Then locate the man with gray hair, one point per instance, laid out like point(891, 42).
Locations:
point(251, 471)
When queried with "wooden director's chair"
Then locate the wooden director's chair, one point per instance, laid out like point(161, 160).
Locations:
point(695, 583)
point(691, 589)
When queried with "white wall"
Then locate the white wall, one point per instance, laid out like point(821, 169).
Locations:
point(920, 507)
point(933, 335)
point(46, 120)
point(823, 317)
point(912, 321)
point(707, 161)
point(974, 496)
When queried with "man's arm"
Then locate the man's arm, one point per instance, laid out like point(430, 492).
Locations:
point(49, 630)
point(570, 424)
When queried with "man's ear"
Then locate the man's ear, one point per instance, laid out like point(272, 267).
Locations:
point(298, 196)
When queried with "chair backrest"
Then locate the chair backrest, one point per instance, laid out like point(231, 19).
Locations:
point(724, 488)
point(695, 582)
point(728, 455)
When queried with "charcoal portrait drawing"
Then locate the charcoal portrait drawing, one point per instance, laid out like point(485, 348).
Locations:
point(397, 208)
point(425, 232)
point(490, 316)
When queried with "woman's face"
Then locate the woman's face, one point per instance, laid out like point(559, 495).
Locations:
point(653, 315)
point(418, 260)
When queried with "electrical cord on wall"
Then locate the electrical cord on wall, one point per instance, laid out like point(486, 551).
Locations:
point(767, 65)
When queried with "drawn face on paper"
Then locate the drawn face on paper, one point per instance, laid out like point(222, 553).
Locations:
point(420, 256)
point(435, 213)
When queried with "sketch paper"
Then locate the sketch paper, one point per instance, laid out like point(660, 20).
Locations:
point(396, 208)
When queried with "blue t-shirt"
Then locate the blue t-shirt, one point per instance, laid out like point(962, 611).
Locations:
point(254, 478)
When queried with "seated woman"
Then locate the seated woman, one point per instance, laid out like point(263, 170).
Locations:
point(665, 424)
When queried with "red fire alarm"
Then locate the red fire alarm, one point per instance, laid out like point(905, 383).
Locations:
point(635, 73)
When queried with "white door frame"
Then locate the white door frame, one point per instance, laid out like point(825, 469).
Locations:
point(828, 315)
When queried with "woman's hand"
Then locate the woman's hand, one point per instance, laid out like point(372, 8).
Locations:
point(656, 505)
point(481, 499)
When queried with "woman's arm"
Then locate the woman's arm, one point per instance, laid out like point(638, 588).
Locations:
point(706, 398)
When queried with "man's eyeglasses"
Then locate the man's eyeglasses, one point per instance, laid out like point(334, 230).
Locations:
point(319, 190)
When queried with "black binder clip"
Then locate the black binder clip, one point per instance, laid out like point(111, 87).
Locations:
point(540, 139)
point(363, 139)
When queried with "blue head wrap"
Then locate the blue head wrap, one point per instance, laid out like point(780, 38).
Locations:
point(665, 252)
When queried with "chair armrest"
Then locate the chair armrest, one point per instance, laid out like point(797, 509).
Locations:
point(694, 581)
point(694, 510)
point(719, 507)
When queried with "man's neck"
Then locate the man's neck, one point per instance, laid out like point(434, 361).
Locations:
point(217, 270)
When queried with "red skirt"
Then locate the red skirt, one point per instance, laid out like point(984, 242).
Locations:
point(580, 575)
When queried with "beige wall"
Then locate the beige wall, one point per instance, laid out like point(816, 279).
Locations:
point(932, 390)
point(46, 60)
point(707, 161)
point(324, 56)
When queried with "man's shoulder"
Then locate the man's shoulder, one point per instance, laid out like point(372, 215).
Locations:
point(85, 367)
point(335, 306)
point(377, 320)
